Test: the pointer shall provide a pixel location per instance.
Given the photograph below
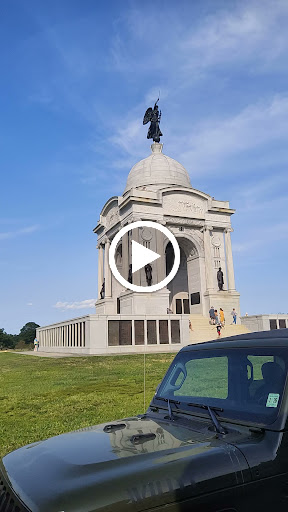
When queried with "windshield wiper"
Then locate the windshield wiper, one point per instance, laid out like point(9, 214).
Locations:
point(208, 408)
point(169, 401)
point(212, 415)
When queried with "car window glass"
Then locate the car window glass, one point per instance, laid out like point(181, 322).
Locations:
point(205, 377)
point(247, 383)
point(257, 362)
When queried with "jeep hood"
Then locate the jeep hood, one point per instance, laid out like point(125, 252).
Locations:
point(92, 469)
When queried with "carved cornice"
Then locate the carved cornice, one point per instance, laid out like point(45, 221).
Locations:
point(182, 221)
point(207, 228)
point(98, 227)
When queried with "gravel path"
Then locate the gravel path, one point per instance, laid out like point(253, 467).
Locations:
point(49, 354)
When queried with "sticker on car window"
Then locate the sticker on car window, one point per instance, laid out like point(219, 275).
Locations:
point(272, 400)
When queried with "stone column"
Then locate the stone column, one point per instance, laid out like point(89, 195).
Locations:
point(161, 262)
point(100, 268)
point(83, 334)
point(125, 256)
point(208, 258)
point(136, 276)
point(108, 278)
point(229, 260)
point(79, 333)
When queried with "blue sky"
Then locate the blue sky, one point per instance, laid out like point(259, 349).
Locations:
point(76, 79)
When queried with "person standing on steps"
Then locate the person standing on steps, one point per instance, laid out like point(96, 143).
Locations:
point(222, 317)
point(218, 329)
point(234, 315)
point(212, 315)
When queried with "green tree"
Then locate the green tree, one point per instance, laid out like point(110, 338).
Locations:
point(7, 340)
point(28, 332)
point(3, 339)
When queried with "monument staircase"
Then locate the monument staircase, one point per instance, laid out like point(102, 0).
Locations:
point(203, 331)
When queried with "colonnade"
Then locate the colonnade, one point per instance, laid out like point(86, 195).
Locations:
point(69, 335)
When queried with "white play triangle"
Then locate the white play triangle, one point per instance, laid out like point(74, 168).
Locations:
point(141, 256)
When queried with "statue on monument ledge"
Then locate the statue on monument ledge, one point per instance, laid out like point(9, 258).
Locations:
point(102, 291)
point(148, 272)
point(220, 279)
point(130, 278)
point(154, 116)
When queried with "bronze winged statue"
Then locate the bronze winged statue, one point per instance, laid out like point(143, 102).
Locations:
point(153, 115)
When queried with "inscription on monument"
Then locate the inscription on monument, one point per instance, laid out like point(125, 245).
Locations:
point(183, 206)
point(182, 220)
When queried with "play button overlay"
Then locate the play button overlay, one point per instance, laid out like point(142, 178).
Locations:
point(142, 257)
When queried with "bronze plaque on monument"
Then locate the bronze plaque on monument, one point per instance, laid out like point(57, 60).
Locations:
point(125, 332)
point(113, 332)
point(151, 332)
point(163, 331)
point(139, 332)
point(175, 331)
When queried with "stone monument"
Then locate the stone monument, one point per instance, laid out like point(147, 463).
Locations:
point(158, 189)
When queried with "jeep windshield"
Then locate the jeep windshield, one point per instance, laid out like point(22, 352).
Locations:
point(243, 384)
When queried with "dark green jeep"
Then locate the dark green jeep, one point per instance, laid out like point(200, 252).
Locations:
point(214, 438)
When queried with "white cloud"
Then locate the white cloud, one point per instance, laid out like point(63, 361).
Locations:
point(29, 304)
point(213, 141)
point(84, 304)
point(262, 236)
point(250, 32)
point(19, 232)
point(129, 138)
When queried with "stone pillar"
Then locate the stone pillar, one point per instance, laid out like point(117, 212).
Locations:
point(100, 268)
point(161, 262)
point(229, 260)
point(108, 277)
point(125, 256)
point(79, 333)
point(136, 276)
point(208, 258)
point(83, 334)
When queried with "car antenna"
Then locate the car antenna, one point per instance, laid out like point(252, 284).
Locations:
point(144, 378)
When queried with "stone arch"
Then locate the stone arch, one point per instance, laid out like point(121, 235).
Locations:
point(194, 239)
point(187, 285)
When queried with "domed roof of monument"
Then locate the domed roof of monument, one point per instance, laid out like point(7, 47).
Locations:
point(157, 171)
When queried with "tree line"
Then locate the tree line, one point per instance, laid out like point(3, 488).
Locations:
point(22, 340)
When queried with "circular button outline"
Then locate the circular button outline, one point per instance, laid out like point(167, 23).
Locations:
point(135, 287)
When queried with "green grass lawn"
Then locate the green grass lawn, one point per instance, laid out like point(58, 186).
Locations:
point(42, 397)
